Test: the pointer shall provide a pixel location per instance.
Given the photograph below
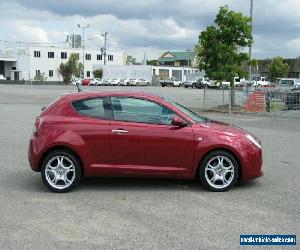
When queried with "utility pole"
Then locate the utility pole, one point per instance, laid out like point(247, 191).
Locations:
point(250, 47)
point(104, 50)
point(83, 28)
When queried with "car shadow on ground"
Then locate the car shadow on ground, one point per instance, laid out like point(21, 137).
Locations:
point(150, 184)
point(138, 184)
point(33, 183)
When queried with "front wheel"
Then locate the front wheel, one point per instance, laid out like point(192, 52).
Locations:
point(61, 171)
point(218, 171)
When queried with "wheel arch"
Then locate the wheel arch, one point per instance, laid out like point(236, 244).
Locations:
point(64, 148)
point(234, 154)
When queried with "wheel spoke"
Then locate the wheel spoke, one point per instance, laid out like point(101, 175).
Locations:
point(56, 178)
point(62, 174)
point(219, 172)
point(220, 160)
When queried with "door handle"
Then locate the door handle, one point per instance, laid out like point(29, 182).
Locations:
point(119, 131)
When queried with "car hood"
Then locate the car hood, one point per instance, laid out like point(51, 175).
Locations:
point(222, 128)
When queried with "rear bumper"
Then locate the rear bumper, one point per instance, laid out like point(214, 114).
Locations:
point(33, 155)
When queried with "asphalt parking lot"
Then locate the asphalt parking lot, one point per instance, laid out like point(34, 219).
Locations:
point(142, 213)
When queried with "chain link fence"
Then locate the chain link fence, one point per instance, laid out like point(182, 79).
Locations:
point(251, 99)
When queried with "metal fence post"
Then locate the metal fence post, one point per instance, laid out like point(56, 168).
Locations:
point(229, 106)
point(223, 97)
point(204, 95)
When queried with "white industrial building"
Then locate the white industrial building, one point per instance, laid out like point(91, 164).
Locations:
point(26, 63)
point(181, 73)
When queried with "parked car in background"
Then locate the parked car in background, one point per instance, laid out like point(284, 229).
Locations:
point(260, 81)
point(130, 133)
point(170, 82)
point(238, 82)
point(98, 81)
point(106, 82)
point(115, 82)
point(293, 99)
point(204, 82)
point(290, 82)
point(142, 82)
point(92, 81)
point(130, 81)
point(189, 84)
point(124, 82)
point(76, 81)
point(138, 82)
point(87, 81)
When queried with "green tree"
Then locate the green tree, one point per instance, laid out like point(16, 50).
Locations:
point(98, 73)
point(152, 62)
point(220, 48)
point(71, 68)
point(277, 68)
point(40, 77)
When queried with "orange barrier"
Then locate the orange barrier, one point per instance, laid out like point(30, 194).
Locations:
point(255, 102)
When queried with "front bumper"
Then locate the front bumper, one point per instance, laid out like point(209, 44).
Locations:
point(252, 165)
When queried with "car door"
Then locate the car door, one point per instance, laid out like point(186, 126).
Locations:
point(92, 125)
point(143, 141)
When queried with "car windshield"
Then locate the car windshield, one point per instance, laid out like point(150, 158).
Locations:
point(193, 115)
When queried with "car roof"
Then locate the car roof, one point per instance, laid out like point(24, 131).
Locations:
point(92, 94)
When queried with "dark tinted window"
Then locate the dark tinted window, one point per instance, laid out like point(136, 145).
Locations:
point(96, 107)
point(139, 110)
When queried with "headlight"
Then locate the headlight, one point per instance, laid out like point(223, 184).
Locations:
point(253, 140)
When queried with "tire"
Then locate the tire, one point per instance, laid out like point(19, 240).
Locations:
point(64, 165)
point(227, 171)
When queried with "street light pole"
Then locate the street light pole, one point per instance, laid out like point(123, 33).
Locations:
point(83, 28)
point(250, 47)
point(104, 52)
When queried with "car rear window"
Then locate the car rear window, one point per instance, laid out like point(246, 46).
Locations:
point(95, 107)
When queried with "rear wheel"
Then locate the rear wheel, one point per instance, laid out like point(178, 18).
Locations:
point(218, 171)
point(61, 171)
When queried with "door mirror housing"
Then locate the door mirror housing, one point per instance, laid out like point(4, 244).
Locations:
point(178, 121)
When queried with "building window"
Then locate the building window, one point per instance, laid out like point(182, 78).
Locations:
point(64, 55)
point(37, 53)
point(50, 54)
point(50, 73)
point(110, 57)
point(88, 73)
point(88, 57)
point(37, 72)
point(99, 57)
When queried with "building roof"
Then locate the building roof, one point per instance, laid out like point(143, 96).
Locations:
point(172, 56)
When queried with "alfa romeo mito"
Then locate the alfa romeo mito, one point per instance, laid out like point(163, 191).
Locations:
point(138, 134)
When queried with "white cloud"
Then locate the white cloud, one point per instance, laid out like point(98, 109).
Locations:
point(148, 26)
point(28, 32)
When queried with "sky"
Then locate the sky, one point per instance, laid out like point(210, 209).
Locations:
point(147, 26)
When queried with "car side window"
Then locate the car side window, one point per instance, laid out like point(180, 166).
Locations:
point(95, 107)
point(140, 110)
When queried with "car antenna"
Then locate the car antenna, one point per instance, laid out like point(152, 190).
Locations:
point(77, 85)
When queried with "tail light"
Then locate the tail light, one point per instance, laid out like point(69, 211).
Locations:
point(37, 125)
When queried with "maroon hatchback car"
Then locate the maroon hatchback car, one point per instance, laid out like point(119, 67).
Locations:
point(137, 134)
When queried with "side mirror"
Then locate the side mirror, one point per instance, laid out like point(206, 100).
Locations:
point(178, 121)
